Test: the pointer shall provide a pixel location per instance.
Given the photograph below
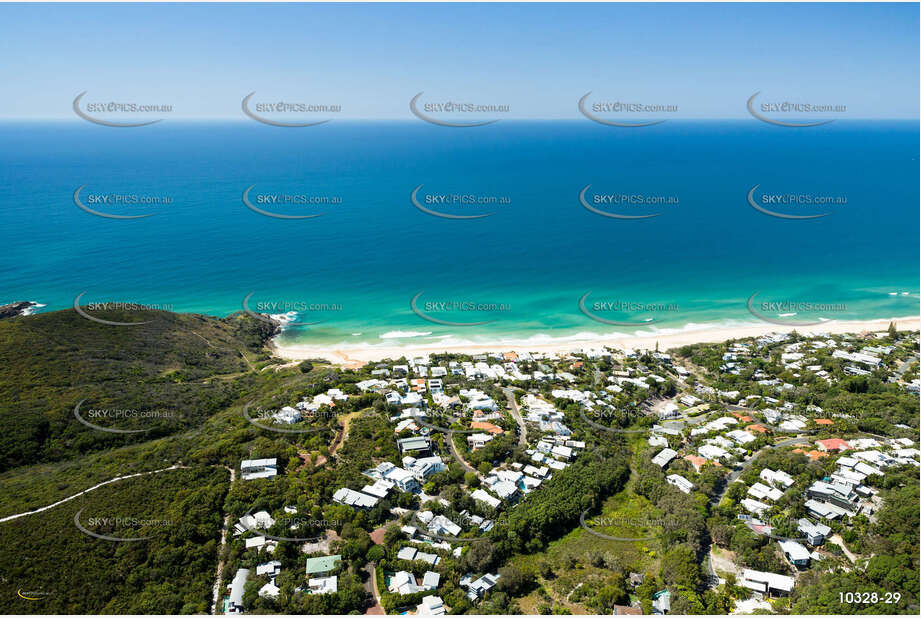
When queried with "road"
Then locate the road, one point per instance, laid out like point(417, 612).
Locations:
point(904, 367)
point(516, 414)
point(371, 586)
point(735, 474)
point(220, 560)
point(466, 466)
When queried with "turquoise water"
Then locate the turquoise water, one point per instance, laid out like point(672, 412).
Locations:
point(694, 265)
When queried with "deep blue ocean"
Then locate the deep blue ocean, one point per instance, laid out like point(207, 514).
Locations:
point(523, 269)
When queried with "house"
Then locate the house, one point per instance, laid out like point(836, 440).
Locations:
point(269, 568)
point(664, 456)
point(259, 520)
point(482, 496)
point(287, 416)
point(478, 440)
point(762, 492)
point(258, 468)
point(235, 604)
point(430, 580)
point(680, 482)
point(841, 495)
point(824, 510)
point(354, 499)
point(626, 610)
point(403, 480)
point(323, 585)
point(322, 565)
point(477, 588)
point(832, 444)
point(815, 533)
point(424, 467)
point(713, 452)
point(270, 591)
point(431, 606)
point(661, 602)
point(696, 461)
point(670, 410)
point(259, 542)
point(753, 506)
point(796, 554)
point(487, 427)
point(766, 583)
point(776, 478)
point(403, 582)
point(740, 436)
point(414, 444)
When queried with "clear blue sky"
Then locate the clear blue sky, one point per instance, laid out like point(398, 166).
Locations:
point(537, 58)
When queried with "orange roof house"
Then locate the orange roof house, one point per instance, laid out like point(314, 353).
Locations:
point(698, 462)
point(824, 421)
point(832, 444)
point(813, 454)
point(510, 356)
point(487, 427)
point(758, 428)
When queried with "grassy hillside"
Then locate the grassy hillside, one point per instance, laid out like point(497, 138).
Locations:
point(63, 570)
point(152, 380)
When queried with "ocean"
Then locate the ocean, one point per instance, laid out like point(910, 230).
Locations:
point(348, 276)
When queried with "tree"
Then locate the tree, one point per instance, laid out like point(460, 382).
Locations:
point(679, 567)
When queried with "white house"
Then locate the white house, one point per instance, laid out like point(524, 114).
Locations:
point(258, 468)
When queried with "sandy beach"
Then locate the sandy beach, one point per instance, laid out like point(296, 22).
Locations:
point(356, 356)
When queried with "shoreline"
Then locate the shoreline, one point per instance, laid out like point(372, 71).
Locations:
point(354, 356)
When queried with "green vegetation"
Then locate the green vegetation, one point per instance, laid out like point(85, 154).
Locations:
point(73, 573)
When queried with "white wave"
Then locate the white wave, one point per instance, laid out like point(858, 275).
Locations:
point(284, 318)
point(356, 334)
point(405, 334)
point(786, 315)
point(31, 310)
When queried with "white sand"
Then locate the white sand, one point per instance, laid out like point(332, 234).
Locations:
point(356, 355)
